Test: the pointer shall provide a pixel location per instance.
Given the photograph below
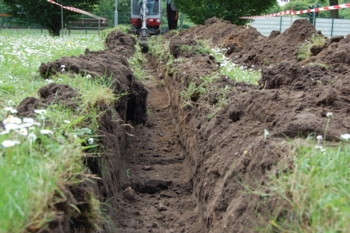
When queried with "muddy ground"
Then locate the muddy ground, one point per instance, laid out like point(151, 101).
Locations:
point(178, 170)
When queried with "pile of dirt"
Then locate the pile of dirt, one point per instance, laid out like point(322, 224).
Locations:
point(231, 149)
point(49, 94)
point(110, 65)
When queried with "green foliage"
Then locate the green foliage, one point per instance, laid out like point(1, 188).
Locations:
point(109, 5)
point(316, 189)
point(39, 159)
point(231, 10)
point(45, 13)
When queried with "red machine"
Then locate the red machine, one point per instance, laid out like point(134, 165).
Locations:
point(145, 19)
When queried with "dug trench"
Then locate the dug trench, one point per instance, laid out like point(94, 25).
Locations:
point(170, 167)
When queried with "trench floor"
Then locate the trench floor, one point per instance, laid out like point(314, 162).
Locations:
point(160, 197)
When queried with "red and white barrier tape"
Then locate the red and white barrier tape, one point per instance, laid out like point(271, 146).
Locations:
point(104, 20)
point(290, 12)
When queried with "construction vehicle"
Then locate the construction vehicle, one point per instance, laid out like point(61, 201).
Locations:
point(145, 20)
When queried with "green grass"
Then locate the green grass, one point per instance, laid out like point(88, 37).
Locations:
point(316, 188)
point(34, 170)
point(304, 52)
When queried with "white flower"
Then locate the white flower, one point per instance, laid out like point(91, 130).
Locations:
point(329, 114)
point(91, 141)
point(319, 138)
point(28, 120)
point(40, 111)
point(46, 131)
point(11, 126)
point(12, 120)
point(31, 137)
point(10, 102)
point(13, 111)
point(345, 137)
point(10, 143)
point(66, 121)
point(88, 76)
point(23, 132)
point(8, 109)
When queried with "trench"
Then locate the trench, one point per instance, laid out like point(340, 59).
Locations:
point(156, 174)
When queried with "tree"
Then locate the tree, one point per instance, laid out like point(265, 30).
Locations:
point(200, 10)
point(46, 14)
point(109, 5)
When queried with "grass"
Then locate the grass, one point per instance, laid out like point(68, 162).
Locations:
point(304, 51)
point(316, 189)
point(45, 154)
point(159, 49)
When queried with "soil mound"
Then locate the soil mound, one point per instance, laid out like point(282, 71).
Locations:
point(230, 148)
point(334, 55)
point(246, 46)
point(50, 94)
point(120, 43)
point(112, 67)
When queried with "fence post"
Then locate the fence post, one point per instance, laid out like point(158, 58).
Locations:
point(280, 24)
point(181, 19)
point(332, 27)
point(62, 20)
point(116, 14)
point(99, 26)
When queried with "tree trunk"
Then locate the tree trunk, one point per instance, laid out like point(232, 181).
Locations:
point(334, 13)
point(54, 30)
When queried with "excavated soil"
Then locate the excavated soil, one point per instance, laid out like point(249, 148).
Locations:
point(170, 168)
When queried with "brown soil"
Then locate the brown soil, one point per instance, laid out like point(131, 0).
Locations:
point(179, 170)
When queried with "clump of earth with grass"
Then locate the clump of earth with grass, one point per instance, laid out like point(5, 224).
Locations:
point(228, 131)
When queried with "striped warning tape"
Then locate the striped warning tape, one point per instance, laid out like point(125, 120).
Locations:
point(290, 12)
point(104, 20)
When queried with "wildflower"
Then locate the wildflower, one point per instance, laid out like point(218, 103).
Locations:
point(345, 137)
point(63, 66)
point(31, 137)
point(10, 143)
point(8, 109)
point(329, 114)
point(28, 120)
point(11, 126)
point(10, 102)
point(88, 76)
point(46, 131)
point(12, 120)
point(40, 111)
point(66, 121)
point(91, 141)
point(14, 111)
point(319, 138)
point(23, 132)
